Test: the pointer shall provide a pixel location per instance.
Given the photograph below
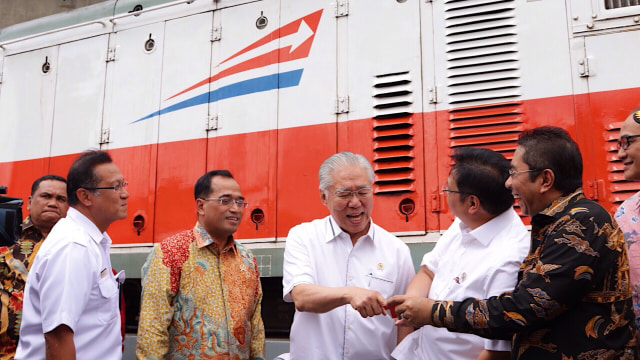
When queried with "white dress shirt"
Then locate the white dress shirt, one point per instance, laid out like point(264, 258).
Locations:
point(477, 263)
point(320, 253)
point(71, 283)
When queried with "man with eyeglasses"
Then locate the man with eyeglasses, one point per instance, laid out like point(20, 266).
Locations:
point(628, 214)
point(573, 297)
point(201, 292)
point(478, 256)
point(339, 270)
point(71, 297)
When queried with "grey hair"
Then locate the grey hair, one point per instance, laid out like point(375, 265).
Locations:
point(336, 161)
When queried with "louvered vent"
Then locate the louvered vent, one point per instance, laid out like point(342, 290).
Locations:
point(614, 4)
point(483, 74)
point(393, 142)
point(620, 189)
point(482, 51)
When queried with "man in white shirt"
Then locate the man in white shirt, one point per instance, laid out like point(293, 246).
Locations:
point(340, 269)
point(71, 296)
point(478, 256)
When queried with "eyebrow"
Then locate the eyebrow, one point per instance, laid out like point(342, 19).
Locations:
point(230, 196)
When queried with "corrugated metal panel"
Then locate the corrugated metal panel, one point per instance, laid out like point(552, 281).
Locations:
point(393, 133)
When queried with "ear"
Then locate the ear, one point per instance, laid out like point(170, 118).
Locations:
point(547, 180)
point(29, 203)
point(85, 197)
point(473, 204)
point(200, 207)
point(323, 198)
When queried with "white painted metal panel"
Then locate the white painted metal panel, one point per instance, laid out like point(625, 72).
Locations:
point(313, 100)
point(133, 87)
point(79, 95)
point(382, 39)
point(253, 109)
point(26, 104)
point(613, 61)
point(187, 61)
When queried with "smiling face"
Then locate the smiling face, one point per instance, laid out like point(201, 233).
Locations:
point(48, 204)
point(221, 221)
point(631, 156)
point(353, 214)
point(523, 189)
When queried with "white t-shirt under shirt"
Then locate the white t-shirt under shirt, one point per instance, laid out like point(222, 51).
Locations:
point(71, 283)
point(477, 263)
point(320, 253)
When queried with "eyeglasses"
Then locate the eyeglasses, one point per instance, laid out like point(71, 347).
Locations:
point(515, 172)
point(624, 143)
point(117, 187)
point(225, 201)
point(344, 194)
point(445, 188)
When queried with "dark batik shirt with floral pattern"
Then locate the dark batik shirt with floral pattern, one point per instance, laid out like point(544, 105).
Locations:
point(573, 297)
point(15, 262)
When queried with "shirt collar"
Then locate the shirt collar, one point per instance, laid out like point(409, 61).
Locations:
point(88, 226)
point(555, 210)
point(203, 239)
point(334, 231)
point(27, 223)
point(487, 231)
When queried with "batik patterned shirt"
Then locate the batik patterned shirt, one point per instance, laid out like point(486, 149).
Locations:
point(628, 218)
point(572, 300)
point(199, 301)
point(15, 263)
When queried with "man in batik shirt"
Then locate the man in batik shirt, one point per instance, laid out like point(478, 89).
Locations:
point(46, 205)
point(201, 289)
point(628, 214)
point(573, 299)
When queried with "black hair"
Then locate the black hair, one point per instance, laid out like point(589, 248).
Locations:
point(202, 189)
point(550, 147)
point(36, 184)
point(82, 175)
point(482, 172)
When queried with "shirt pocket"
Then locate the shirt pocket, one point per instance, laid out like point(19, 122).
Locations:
point(383, 283)
point(108, 295)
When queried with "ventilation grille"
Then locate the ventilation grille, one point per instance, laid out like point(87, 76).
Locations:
point(393, 133)
point(615, 4)
point(495, 127)
point(620, 189)
point(482, 51)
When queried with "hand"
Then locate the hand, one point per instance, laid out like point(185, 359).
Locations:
point(412, 310)
point(366, 302)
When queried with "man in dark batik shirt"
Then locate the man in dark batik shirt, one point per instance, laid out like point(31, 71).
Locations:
point(47, 204)
point(573, 297)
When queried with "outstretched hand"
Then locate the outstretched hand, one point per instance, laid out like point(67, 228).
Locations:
point(412, 310)
point(366, 302)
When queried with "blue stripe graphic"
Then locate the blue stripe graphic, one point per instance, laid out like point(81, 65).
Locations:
point(264, 83)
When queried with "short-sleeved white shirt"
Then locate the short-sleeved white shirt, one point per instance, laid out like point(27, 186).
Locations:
point(477, 263)
point(320, 253)
point(71, 283)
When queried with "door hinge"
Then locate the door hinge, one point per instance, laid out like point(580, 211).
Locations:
point(105, 136)
point(342, 8)
point(584, 67)
point(111, 54)
point(216, 34)
point(433, 95)
point(594, 189)
point(213, 122)
point(342, 105)
point(435, 201)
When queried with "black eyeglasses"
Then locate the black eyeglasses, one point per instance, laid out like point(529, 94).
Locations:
point(445, 188)
point(624, 143)
point(225, 201)
point(117, 187)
